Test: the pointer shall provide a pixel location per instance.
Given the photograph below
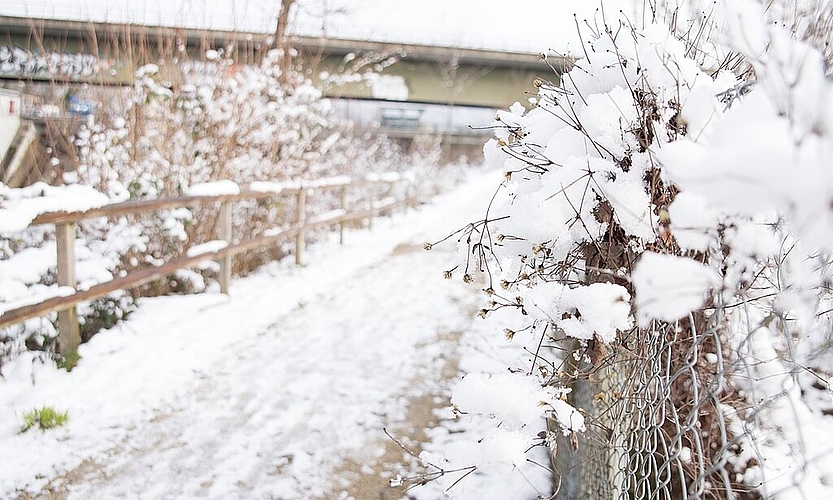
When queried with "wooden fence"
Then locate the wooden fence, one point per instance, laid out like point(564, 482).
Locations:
point(65, 229)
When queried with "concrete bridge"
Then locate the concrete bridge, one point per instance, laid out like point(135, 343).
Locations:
point(428, 91)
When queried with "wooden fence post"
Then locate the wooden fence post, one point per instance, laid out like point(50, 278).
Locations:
point(69, 336)
point(225, 234)
point(343, 201)
point(410, 199)
point(300, 242)
point(371, 200)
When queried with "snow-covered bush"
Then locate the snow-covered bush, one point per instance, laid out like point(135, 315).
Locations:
point(660, 249)
point(188, 123)
point(27, 265)
point(182, 124)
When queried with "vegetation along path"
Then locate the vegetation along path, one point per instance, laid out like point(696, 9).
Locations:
point(280, 390)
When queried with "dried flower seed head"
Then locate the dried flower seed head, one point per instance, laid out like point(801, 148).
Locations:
point(468, 278)
point(447, 275)
point(504, 284)
point(500, 238)
point(483, 313)
point(508, 175)
point(509, 334)
point(489, 291)
point(537, 83)
point(536, 248)
point(501, 143)
point(427, 246)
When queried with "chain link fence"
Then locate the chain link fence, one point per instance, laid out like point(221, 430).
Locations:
point(693, 410)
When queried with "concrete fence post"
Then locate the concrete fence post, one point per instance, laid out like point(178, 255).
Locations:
point(69, 336)
point(225, 234)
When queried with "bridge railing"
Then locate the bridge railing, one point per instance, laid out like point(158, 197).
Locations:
point(221, 250)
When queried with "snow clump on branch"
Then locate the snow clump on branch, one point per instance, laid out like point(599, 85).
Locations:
point(672, 177)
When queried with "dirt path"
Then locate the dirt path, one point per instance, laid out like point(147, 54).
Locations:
point(298, 411)
point(371, 479)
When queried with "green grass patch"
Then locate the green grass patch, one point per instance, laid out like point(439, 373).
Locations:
point(69, 360)
point(43, 418)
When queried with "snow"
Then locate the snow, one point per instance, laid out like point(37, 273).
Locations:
point(499, 423)
point(273, 231)
point(670, 287)
point(266, 392)
point(215, 188)
point(389, 87)
point(325, 182)
point(693, 221)
point(207, 247)
point(35, 297)
point(465, 24)
point(19, 207)
point(270, 391)
point(597, 310)
point(331, 214)
point(29, 264)
point(272, 187)
point(787, 426)
point(384, 177)
point(338, 180)
point(571, 420)
point(515, 397)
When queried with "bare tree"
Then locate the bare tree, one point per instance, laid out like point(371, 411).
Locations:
point(282, 41)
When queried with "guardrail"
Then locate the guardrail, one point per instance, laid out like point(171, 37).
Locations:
point(68, 327)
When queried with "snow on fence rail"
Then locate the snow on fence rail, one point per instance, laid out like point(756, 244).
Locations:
point(221, 249)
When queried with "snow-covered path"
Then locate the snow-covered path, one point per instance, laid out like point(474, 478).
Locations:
point(280, 390)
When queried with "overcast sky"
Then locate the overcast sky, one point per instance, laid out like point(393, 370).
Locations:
point(519, 25)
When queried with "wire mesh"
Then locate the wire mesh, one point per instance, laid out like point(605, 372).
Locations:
point(695, 410)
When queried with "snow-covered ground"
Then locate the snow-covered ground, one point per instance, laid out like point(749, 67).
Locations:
point(280, 390)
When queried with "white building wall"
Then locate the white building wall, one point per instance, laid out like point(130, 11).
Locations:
point(9, 119)
point(425, 118)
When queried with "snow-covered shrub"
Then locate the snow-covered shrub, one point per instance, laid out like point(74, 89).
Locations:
point(184, 123)
point(28, 264)
point(188, 123)
point(660, 248)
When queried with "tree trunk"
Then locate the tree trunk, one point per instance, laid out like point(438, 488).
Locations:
point(282, 41)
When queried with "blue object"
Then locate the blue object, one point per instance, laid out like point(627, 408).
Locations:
point(78, 107)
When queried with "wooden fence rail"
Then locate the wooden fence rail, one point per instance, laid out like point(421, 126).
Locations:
point(65, 228)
